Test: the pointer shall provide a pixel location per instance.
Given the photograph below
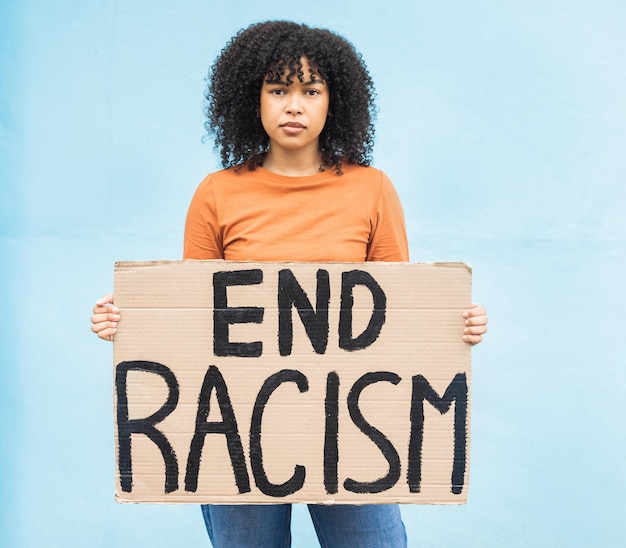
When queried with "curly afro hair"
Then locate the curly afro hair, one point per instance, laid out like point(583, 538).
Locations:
point(266, 50)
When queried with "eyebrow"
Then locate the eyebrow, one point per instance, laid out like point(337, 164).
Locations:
point(288, 83)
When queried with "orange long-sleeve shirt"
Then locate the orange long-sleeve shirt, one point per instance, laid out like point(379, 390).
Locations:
point(262, 216)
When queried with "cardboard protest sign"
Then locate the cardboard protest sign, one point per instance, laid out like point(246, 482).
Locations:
point(291, 382)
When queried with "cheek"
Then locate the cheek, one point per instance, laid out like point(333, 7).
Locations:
point(265, 114)
point(323, 115)
point(265, 125)
point(326, 108)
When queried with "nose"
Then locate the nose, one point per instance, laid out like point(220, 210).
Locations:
point(294, 105)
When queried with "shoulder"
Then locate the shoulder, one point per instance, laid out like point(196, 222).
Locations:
point(365, 173)
point(219, 176)
point(368, 176)
point(223, 178)
point(231, 176)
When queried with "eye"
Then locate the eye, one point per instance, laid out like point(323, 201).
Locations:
point(312, 92)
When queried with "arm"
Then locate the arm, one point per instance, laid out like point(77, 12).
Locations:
point(202, 234)
point(388, 240)
point(201, 242)
point(105, 317)
point(389, 243)
point(475, 324)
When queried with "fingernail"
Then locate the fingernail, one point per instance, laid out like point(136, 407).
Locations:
point(116, 317)
point(113, 324)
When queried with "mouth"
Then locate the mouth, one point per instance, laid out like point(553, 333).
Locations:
point(292, 128)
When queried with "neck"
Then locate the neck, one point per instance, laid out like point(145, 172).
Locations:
point(293, 163)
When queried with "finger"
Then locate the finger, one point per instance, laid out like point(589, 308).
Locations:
point(105, 304)
point(99, 327)
point(107, 316)
point(105, 309)
point(472, 339)
point(475, 310)
point(106, 333)
point(477, 330)
point(107, 298)
point(477, 320)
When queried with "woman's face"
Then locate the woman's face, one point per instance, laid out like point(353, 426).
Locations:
point(294, 113)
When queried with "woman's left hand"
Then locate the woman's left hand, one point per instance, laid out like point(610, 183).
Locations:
point(475, 324)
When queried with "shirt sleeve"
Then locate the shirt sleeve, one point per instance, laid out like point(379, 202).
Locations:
point(388, 241)
point(202, 234)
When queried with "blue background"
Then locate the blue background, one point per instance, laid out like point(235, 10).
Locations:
point(502, 125)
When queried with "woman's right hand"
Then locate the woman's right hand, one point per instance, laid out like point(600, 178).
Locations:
point(105, 318)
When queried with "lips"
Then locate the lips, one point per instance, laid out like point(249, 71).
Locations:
point(292, 128)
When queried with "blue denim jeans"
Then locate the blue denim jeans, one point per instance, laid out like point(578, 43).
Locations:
point(338, 526)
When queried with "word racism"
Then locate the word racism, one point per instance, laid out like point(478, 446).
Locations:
point(203, 382)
